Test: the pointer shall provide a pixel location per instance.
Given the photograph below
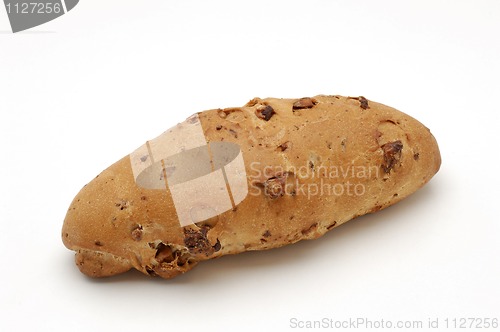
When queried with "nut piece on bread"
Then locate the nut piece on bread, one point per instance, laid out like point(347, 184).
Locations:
point(261, 176)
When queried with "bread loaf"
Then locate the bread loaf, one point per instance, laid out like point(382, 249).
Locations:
point(261, 176)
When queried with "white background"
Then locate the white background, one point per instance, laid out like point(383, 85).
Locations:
point(82, 91)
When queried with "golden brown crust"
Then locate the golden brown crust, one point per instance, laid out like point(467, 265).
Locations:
point(311, 165)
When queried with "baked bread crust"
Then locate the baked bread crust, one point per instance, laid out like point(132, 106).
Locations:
point(311, 165)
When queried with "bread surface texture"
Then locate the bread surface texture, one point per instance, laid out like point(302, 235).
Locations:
point(261, 176)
